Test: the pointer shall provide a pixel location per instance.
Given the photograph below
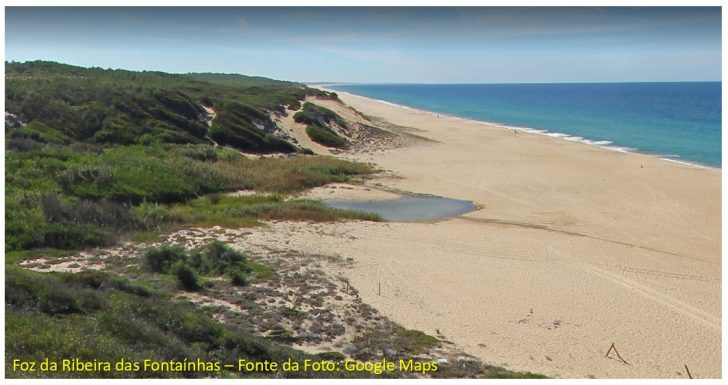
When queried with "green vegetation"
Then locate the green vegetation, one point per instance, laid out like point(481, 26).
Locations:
point(65, 197)
point(325, 136)
point(319, 121)
point(93, 155)
point(62, 104)
point(97, 316)
point(212, 260)
point(243, 211)
point(161, 259)
point(322, 116)
point(187, 277)
point(404, 341)
point(89, 152)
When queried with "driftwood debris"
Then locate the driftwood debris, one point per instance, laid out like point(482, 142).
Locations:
point(614, 348)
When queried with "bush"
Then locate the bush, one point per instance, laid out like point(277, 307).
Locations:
point(102, 213)
point(59, 302)
point(72, 236)
point(216, 259)
point(325, 136)
point(186, 277)
point(161, 259)
point(238, 279)
point(44, 293)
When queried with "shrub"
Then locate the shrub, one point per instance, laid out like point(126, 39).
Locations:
point(217, 259)
point(59, 302)
point(45, 293)
point(103, 213)
point(90, 278)
point(214, 259)
point(74, 236)
point(160, 259)
point(186, 277)
point(238, 279)
point(325, 136)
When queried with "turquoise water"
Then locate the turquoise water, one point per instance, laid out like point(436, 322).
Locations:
point(678, 121)
point(408, 207)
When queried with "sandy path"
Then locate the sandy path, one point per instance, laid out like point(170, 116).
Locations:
point(601, 246)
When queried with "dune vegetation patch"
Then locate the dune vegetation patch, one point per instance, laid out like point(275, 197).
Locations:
point(319, 122)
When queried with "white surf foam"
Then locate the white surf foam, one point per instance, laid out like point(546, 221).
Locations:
point(605, 144)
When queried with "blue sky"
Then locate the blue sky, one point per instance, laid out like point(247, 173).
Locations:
point(419, 45)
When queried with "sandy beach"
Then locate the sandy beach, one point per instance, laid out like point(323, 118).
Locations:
point(576, 247)
point(573, 248)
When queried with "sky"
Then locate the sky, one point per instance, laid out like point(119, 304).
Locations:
point(381, 45)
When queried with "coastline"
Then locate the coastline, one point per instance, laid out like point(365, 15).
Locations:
point(571, 248)
point(605, 144)
point(575, 247)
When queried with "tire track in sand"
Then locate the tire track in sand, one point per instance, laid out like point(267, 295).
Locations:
point(678, 306)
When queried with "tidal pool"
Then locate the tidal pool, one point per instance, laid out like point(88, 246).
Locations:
point(408, 207)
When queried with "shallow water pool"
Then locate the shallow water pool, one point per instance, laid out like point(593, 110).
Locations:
point(408, 207)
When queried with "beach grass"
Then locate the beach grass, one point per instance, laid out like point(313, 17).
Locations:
point(66, 198)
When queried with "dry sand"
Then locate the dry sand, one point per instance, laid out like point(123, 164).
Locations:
point(349, 192)
point(575, 247)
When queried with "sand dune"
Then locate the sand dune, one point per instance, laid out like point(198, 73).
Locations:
point(575, 247)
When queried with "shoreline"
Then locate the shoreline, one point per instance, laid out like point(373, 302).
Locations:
point(570, 249)
point(634, 240)
point(536, 131)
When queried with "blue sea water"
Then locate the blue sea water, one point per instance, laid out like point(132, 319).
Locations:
point(679, 121)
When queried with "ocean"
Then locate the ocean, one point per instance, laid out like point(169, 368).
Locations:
point(678, 121)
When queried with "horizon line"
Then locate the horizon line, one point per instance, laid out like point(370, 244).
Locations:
point(6, 61)
point(495, 83)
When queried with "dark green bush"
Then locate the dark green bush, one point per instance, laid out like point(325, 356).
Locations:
point(45, 293)
point(216, 259)
point(103, 213)
point(59, 302)
point(161, 259)
point(186, 276)
point(325, 136)
point(74, 236)
point(238, 279)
